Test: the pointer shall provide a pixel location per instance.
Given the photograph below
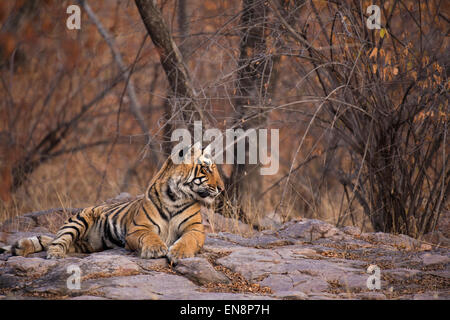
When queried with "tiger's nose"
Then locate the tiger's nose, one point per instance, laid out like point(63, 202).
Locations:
point(219, 189)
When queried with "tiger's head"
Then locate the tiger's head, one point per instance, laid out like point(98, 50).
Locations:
point(192, 174)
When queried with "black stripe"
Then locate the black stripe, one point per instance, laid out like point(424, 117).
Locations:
point(187, 219)
point(195, 223)
point(197, 231)
point(83, 221)
point(40, 242)
point(81, 226)
point(102, 230)
point(124, 232)
point(113, 222)
point(110, 209)
point(150, 191)
point(63, 244)
point(114, 217)
point(110, 236)
point(59, 244)
point(186, 195)
point(137, 231)
point(170, 194)
point(151, 220)
point(182, 209)
point(138, 225)
point(195, 173)
point(95, 207)
point(104, 244)
point(158, 197)
point(140, 238)
point(177, 206)
point(75, 221)
point(120, 219)
point(69, 233)
point(159, 208)
point(70, 227)
point(113, 207)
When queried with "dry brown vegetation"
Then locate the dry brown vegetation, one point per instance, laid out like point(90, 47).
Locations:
point(363, 114)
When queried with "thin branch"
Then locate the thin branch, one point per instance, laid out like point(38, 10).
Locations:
point(135, 106)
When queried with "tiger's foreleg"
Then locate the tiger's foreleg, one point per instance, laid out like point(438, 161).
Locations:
point(71, 232)
point(146, 242)
point(26, 246)
point(190, 242)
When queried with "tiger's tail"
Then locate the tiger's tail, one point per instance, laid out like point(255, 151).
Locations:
point(27, 246)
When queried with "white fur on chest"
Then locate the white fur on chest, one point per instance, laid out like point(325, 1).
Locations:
point(169, 232)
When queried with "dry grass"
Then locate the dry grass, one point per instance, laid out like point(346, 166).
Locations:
point(73, 181)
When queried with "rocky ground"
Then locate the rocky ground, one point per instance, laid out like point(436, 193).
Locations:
point(304, 259)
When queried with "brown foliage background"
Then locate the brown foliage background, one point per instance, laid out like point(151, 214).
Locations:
point(334, 89)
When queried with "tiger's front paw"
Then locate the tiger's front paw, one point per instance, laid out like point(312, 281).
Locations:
point(22, 247)
point(179, 251)
point(55, 252)
point(153, 251)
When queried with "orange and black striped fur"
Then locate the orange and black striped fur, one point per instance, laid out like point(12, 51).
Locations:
point(166, 221)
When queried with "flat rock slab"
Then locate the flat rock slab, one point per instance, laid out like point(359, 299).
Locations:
point(307, 259)
point(200, 271)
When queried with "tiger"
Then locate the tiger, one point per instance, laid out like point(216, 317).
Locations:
point(164, 222)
